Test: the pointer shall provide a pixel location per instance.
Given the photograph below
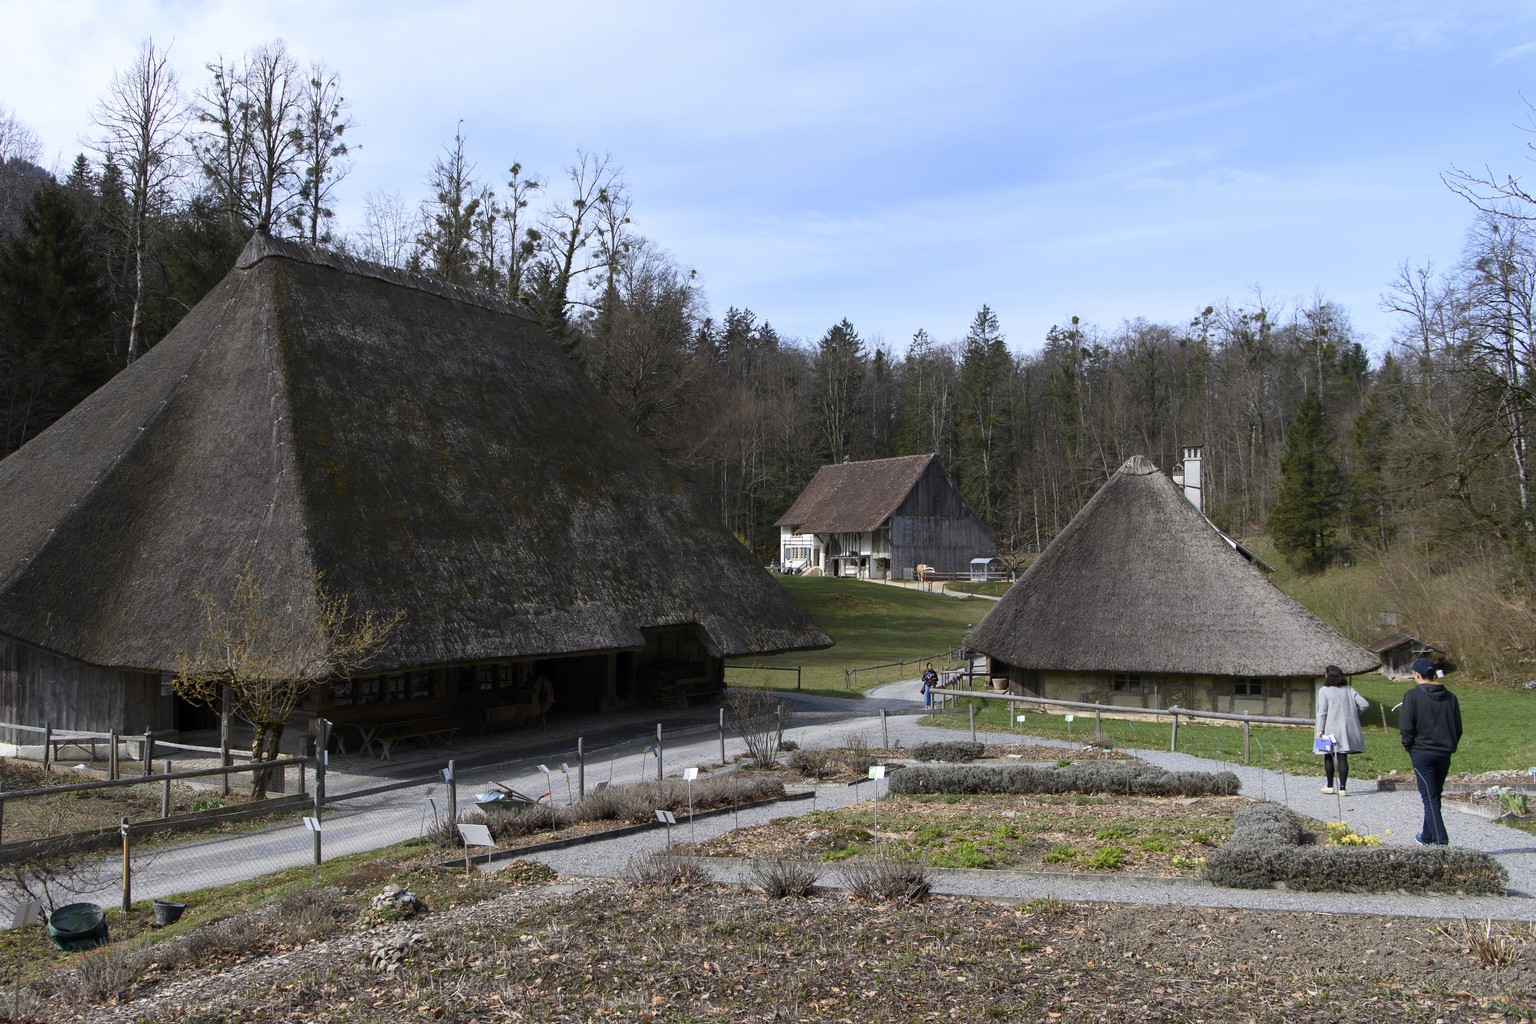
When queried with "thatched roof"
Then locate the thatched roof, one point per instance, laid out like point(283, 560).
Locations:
point(854, 497)
point(1140, 581)
point(427, 448)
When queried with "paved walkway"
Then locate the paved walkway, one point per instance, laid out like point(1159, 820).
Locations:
point(625, 752)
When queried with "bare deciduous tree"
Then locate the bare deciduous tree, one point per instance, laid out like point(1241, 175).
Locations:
point(264, 659)
point(322, 126)
point(143, 118)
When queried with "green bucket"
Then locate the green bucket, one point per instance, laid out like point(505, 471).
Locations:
point(78, 926)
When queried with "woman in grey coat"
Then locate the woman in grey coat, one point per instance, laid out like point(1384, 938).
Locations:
point(1338, 718)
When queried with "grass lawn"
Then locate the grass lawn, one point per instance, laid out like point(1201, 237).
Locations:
point(872, 625)
point(1497, 722)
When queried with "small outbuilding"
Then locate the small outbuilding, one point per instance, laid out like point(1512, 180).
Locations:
point(1142, 602)
point(881, 519)
point(424, 448)
point(1399, 650)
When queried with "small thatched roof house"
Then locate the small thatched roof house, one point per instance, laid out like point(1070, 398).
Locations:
point(880, 519)
point(428, 449)
point(1140, 601)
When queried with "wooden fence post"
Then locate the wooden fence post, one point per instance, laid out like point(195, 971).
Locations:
point(48, 745)
point(149, 752)
point(112, 757)
point(1246, 725)
point(1173, 742)
point(165, 793)
point(127, 870)
point(581, 764)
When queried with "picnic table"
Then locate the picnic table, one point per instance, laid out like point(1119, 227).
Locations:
point(384, 735)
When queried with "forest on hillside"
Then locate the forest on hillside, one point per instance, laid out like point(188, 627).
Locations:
point(1412, 463)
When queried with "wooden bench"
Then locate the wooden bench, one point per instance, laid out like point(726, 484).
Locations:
point(387, 734)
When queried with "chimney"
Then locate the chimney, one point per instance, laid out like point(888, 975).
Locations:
point(1188, 478)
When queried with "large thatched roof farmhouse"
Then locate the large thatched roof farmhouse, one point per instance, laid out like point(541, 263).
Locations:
point(881, 519)
point(1141, 602)
point(428, 450)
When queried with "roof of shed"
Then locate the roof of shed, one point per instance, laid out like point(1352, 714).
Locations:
point(426, 448)
point(854, 497)
point(1140, 581)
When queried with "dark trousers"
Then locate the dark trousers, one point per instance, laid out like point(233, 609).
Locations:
point(1430, 770)
point(1343, 763)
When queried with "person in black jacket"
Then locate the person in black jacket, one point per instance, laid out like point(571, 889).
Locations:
point(1430, 723)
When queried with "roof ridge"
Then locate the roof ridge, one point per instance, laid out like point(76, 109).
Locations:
point(263, 245)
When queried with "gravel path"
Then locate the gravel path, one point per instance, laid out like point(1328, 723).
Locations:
point(892, 715)
point(1393, 815)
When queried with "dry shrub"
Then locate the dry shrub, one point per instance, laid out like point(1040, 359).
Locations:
point(1493, 945)
point(760, 717)
point(782, 878)
point(665, 870)
point(815, 764)
point(882, 879)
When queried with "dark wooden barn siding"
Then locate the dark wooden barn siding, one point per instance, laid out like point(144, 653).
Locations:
point(934, 527)
point(38, 687)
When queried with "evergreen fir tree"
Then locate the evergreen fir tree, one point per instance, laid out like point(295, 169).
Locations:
point(1305, 515)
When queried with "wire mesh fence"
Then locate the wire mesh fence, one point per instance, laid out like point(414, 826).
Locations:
point(321, 808)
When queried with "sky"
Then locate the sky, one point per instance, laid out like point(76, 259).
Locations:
point(901, 164)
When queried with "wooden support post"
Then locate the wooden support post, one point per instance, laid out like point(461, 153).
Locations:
point(658, 754)
point(1173, 741)
point(112, 755)
point(722, 737)
point(453, 793)
point(47, 745)
point(885, 731)
point(581, 769)
point(165, 793)
point(1098, 723)
point(149, 753)
point(1247, 728)
point(972, 709)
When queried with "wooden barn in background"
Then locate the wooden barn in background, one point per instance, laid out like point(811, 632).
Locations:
point(881, 519)
point(429, 450)
point(1142, 602)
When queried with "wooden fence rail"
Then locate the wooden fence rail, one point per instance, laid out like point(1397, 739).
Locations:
point(164, 778)
point(1175, 713)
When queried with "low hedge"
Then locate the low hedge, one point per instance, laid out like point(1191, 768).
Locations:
point(950, 750)
point(1125, 778)
point(1269, 847)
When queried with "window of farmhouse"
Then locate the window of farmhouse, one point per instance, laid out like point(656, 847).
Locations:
point(1248, 686)
point(1127, 683)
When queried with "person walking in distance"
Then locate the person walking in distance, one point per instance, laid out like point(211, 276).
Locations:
point(1338, 726)
point(1430, 722)
point(930, 680)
